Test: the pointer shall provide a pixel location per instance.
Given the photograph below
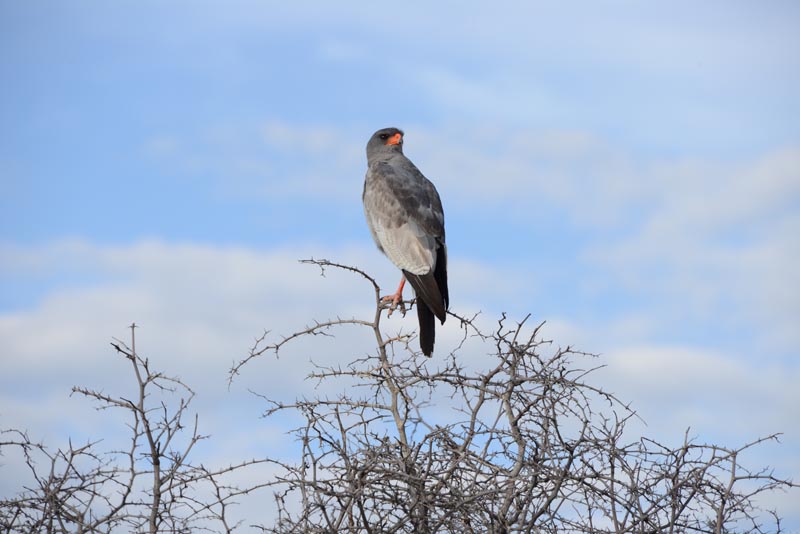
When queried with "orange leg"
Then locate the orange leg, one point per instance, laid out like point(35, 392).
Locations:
point(397, 298)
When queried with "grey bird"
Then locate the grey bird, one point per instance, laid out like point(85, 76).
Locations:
point(404, 214)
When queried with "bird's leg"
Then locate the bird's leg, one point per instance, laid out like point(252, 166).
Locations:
point(396, 299)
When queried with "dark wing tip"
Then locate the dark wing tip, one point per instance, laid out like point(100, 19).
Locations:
point(428, 293)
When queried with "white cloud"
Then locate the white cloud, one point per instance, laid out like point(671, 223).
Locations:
point(731, 394)
point(199, 307)
point(722, 241)
point(688, 378)
point(705, 198)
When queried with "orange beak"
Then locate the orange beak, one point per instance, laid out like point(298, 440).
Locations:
point(396, 139)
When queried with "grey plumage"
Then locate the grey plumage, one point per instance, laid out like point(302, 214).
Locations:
point(404, 214)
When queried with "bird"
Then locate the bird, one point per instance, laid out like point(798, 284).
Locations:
point(405, 217)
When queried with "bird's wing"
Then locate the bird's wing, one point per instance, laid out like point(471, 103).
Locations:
point(405, 216)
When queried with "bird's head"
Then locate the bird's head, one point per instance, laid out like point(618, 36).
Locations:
point(385, 141)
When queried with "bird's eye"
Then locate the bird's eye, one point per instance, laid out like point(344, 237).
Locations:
point(384, 136)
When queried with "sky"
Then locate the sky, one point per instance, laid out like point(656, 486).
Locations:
point(627, 172)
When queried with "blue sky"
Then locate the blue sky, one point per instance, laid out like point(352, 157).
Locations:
point(629, 172)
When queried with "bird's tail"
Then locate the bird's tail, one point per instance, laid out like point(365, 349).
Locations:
point(427, 327)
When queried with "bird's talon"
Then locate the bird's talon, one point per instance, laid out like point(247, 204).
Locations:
point(392, 302)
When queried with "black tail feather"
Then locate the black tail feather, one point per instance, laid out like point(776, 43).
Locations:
point(433, 299)
point(427, 327)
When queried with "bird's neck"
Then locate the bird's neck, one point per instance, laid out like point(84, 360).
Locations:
point(386, 156)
